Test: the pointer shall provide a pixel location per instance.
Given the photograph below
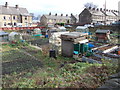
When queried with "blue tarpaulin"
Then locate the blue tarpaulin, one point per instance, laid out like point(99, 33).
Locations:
point(76, 52)
point(90, 45)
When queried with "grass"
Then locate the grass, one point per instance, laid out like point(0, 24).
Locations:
point(23, 71)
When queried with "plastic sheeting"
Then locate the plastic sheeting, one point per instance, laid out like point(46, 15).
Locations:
point(13, 36)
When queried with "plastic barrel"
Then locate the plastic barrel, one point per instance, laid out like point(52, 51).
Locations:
point(52, 53)
point(86, 47)
point(82, 48)
point(77, 47)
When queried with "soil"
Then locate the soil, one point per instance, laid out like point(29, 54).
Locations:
point(39, 42)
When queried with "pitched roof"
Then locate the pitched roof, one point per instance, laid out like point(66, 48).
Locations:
point(116, 13)
point(76, 16)
point(56, 17)
point(110, 13)
point(95, 12)
point(13, 10)
point(98, 12)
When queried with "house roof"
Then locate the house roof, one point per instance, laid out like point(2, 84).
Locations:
point(116, 13)
point(110, 13)
point(95, 12)
point(76, 16)
point(56, 17)
point(13, 10)
point(98, 12)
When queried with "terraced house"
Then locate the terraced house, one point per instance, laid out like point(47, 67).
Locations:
point(96, 15)
point(51, 20)
point(14, 16)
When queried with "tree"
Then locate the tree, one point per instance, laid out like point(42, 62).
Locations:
point(90, 4)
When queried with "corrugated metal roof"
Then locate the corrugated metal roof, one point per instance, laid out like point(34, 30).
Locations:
point(102, 31)
point(56, 17)
point(13, 10)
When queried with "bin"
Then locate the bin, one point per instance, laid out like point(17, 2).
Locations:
point(52, 53)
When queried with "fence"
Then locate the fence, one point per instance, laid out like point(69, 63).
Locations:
point(20, 28)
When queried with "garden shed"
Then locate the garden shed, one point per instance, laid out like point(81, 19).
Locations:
point(14, 36)
point(82, 29)
point(4, 36)
point(62, 28)
point(103, 35)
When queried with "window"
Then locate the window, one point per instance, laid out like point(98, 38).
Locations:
point(25, 17)
point(9, 18)
point(14, 17)
point(14, 23)
point(4, 18)
point(4, 23)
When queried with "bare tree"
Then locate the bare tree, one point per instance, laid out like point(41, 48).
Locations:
point(90, 4)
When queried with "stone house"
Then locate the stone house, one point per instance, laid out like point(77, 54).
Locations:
point(12, 16)
point(51, 20)
point(96, 15)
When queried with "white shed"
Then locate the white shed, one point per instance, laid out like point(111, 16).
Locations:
point(82, 29)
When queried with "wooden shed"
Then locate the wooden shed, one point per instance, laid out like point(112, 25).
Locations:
point(103, 35)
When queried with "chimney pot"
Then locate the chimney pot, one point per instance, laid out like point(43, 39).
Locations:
point(49, 13)
point(89, 8)
point(100, 9)
point(97, 9)
point(56, 14)
point(93, 9)
point(6, 4)
point(16, 6)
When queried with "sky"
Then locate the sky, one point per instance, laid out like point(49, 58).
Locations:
point(39, 7)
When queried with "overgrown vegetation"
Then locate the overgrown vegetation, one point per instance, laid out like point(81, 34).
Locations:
point(27, 67)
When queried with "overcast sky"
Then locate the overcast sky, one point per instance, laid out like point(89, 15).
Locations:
point(59, 6)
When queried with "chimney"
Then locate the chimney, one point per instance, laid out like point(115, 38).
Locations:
point(16, 6)
point(6, 4)
point(89, 8)
point(100, 9)
point(66, 15)
point(97, 9)
point(49, 13)
point(61, 14)
point(56, 14)
point(93, 9)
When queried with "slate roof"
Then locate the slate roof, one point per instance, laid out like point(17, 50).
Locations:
point(94, 12)
point(102, 13)
point(110, 13)
point(13, 10)
point(57, 17)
